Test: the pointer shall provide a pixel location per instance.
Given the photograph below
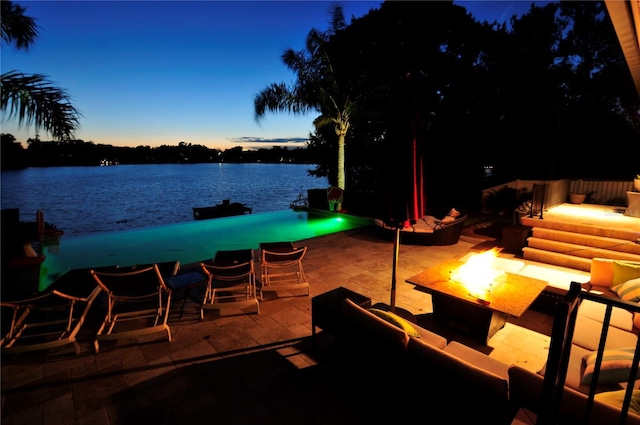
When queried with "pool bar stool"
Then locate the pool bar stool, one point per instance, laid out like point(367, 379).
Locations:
point(231, 281)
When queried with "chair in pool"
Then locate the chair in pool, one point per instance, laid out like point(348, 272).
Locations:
point(334, 197)
point(281, 268)
point(46, 235)
point(231, 281)
point(49, 320)
point(138, 302)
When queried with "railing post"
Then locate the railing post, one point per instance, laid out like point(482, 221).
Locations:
point(544, 189)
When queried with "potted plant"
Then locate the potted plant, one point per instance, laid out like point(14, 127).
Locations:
point(577, 198)
point(636, 183)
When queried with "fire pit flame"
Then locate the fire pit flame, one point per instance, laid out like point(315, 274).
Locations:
point(478, 274)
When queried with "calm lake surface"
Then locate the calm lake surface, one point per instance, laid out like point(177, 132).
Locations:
point(92, 200)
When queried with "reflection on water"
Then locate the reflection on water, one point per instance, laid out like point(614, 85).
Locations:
point(189, 242)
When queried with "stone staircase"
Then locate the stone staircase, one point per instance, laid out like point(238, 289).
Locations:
point(571, 240)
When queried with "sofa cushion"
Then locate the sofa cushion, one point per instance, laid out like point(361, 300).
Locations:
point(396, 320)
point(555, 277)
point(624, 271)
point(629, 290)
point(425, 224)
point(575, 369)
point(432, 338)
point(615, 367)
point(601, 272)
point(373, 325)
point(616, 398)
point(620, 318)
point(573, 379)
point(525, 389)
point(587, 333)
point(480, 376)
point(478, 358)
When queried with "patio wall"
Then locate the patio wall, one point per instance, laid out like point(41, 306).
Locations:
point(605, 192)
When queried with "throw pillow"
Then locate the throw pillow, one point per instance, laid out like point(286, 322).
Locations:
point(396, 320)
point(601, 272)
point(624, 271)
point(615, 398)
point(629, 290)
point(616, 364)
point(453, 212)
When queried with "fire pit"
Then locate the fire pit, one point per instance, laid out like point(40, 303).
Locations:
point(475, 298)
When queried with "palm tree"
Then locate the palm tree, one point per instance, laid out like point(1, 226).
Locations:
point(317, 88)
point(32, 98)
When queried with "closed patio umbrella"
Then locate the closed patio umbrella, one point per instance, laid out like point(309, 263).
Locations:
point(405, 180)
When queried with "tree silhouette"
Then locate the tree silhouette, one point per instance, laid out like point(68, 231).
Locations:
point(318, 88)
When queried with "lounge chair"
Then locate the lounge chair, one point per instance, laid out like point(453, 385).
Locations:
point(51, 319)
point(281, 268)
point(138, 302)
point(231, 281)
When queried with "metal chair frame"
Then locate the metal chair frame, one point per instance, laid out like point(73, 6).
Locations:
point(282, 270)
point(123, 295)
point(49, 320)
point(231, 281)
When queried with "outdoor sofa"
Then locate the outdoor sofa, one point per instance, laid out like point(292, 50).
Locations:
point(613, 279)
point(401, 367)
point(438, 227)
point(387, 351)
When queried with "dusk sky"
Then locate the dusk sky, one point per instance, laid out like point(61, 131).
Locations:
point(164, 72)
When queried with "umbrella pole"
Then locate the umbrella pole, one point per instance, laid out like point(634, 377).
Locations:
point(396, 248)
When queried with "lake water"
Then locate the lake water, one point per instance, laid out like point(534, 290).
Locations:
point(89, 200)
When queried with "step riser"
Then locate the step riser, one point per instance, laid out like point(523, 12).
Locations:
point(563, 260)
point(622, 234)
point(576, 250)
point(599, 242)
point(571, 236)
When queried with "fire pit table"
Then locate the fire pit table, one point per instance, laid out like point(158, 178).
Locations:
point(480, 316)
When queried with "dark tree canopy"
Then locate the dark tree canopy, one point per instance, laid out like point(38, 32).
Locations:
point(529, 99)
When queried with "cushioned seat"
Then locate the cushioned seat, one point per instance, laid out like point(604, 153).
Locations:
point(437, 227)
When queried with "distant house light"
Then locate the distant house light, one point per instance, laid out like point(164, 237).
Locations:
point(488, 170)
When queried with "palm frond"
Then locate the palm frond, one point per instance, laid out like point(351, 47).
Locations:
point(16, 27)
point(279, 98)
point(33, 100)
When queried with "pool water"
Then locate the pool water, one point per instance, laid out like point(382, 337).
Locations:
point(189, 242)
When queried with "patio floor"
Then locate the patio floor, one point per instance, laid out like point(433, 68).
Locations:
point(246, 368)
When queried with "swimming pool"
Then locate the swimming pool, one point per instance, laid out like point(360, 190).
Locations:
point(189, 242)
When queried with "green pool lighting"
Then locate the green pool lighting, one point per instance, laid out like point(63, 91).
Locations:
point(190, 242)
